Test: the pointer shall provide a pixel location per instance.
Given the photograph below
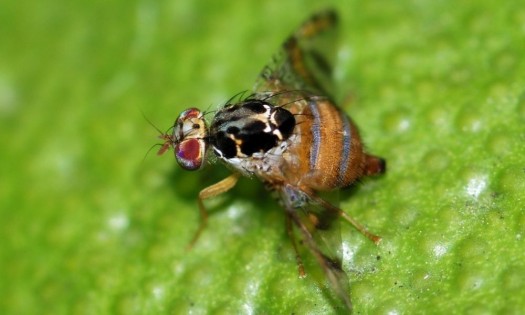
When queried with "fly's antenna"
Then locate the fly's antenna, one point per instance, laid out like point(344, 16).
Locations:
point(152, 124)
point(163, 135)
point(168, 140)
point(149, 150)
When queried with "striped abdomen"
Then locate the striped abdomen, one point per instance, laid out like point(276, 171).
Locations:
point(328, 152)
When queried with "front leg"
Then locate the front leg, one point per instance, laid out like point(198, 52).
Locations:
point(210, 192)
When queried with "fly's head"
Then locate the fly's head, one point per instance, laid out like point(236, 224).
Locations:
point(188, 139)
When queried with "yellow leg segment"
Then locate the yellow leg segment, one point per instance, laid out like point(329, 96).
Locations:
point(210, 192)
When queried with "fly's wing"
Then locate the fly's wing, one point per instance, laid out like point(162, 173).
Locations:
point(305, 59)
point(319, 229)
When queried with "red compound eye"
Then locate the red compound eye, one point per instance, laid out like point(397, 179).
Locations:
point(190, 153)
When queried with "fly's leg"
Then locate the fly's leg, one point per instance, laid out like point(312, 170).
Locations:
point(210, 192)
point(374, 238)
point(331, 267)
point(291, 235)
point(359, 227)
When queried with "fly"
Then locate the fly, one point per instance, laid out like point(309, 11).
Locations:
point(290, 135)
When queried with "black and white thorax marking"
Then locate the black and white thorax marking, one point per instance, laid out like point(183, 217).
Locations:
point(245, 132)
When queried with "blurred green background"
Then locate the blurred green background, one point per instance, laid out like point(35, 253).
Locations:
point(88, 227)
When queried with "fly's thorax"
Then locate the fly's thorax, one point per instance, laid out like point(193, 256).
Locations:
point(189, 139)
point(250, 136)
point(249, 128)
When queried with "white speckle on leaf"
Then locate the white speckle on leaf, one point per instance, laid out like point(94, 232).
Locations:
point(235, 211)
point(118, 222)
point(439, 250)
point(348, 253)
point(404, 124)
point(248, 308)
point(251, 292)
point(476, 186)
point(158, 292)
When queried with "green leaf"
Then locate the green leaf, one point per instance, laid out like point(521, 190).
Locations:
point(88, 226)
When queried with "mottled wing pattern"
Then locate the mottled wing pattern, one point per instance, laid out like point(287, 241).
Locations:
point(319, 228)
point(305, 60)
point(302, 69)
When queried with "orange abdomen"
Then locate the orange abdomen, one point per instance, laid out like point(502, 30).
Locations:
point(328, 150)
